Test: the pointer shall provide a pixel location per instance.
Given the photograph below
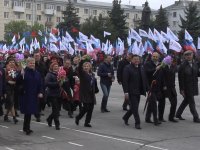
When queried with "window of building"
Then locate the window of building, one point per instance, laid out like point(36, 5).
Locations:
point(39, 17)
point(94, 12)
point(49, 6)
point(38, 6)
point(136, 16)
point(86, 11)
point(28, 5)
point(58, 8)
point(18, 3)
point(77, 10)
point(6, 3)
point(6, 15)
point(17, 15)
point(58, 19)
point(48, 19)
point(127, 15)
point(28, 16)
point(174, 23)
point(174, 14)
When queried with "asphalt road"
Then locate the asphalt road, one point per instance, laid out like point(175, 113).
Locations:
point(108, 131)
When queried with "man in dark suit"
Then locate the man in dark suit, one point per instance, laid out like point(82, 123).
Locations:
point(154, 81)
point(135, 84)
point(168, 73)
point(188, 83)
point(122, 64)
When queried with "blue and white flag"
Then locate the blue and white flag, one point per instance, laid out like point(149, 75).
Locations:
point(188, 36)
point(171, 35)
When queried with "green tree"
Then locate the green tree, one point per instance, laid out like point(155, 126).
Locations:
point(161, 22)
point(118, 19)
point(96, 27)
point(191, 22)
point(14, 28)
point(71, 21)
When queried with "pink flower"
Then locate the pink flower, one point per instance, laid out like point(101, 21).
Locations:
point(167, 60)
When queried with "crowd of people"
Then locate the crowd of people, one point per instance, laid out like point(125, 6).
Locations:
point(29, 83)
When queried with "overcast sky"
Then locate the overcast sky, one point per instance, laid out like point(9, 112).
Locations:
point(154, 4)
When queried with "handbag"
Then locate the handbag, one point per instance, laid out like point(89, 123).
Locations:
point(63, 94)
point(96, 87)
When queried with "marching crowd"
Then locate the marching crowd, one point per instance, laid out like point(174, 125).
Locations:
point(29, 83)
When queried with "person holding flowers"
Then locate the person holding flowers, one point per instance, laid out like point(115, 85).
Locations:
point(11, 74)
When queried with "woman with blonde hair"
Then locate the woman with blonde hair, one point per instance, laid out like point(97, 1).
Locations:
point(87, 91)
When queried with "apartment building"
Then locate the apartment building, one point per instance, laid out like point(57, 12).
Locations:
point(176, 10)
point(49, 12)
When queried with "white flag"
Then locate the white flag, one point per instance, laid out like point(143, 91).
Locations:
point(171, 35)
point(135, 49)
point(143, 33)
point(62, 46)
point(198, 44)
point(52, 38)
point(22, 42)
point(165, 37)
point(13, 40)
point(71, 50)
point(157, 35)
point(83, 37)
point(151, 35)
point(68, 36)
point(106, 33)
point(89, 47)
point(141, 47)
point(45, 40)
point(188, 36)
point(53, 48)
point(173, 45)
point(135, 35)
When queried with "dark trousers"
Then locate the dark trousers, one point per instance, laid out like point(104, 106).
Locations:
point(27, 121)
point(55, 104)
point(106, 91)
point(188, 100)
point(1, 110)
point(87, 108)
point(161, 106)
point(126, 102)
point(134, 101)
point(173, 102)
point(152, 108)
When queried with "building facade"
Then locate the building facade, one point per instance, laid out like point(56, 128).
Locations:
point(49, 12)
point(176, 10)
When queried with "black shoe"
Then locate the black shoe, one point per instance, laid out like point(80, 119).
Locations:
point(16, 114)
point(106, 110)
point(49, 122)
point(197, 120)
point(6, 118)
point(15, 120)
point(148, 121)
point(180, 118)
point(125, 121)
point(125, 109)
point(38, 120)
point(173, 120)
point(156, 123)
point(137, 126)
point(162, 120)
point(28, 132)
point(77, 121)
point(57, 127)
point(87, 125)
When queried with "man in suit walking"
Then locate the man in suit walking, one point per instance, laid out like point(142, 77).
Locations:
point(135, 84)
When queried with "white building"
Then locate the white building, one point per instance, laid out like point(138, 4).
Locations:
point(49, 12)
point(176, 10)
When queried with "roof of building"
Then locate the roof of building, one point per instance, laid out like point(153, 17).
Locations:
point(181, 4)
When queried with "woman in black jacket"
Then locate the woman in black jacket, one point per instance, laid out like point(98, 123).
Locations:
point(87, 91)
point(53, 94)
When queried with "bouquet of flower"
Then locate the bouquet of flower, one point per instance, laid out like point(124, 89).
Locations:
point(61, 75)
point(12, 74)
point(166, 61)
point(20, 59)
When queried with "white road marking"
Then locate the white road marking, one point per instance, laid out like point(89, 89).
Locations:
point(4, 126)
point(104, 136)
point(9, 148)
point(75, 144)
point(21, 130)
point(48, 137)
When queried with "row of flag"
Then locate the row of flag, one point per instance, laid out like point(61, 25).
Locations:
point(138, 42)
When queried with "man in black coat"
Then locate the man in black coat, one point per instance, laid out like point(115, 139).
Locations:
point(135, 84)
point(2, 89)
point(155, 82)
point(168, 72)
point(122, 64)
point(188, 84)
